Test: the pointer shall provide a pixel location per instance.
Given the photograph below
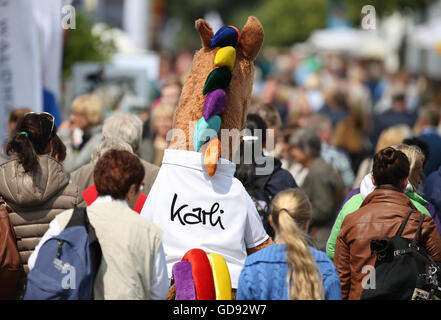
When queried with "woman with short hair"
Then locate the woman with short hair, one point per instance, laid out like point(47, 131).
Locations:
point(82, 131)
point(133, 263)
point(323, 184)
point(152, 147)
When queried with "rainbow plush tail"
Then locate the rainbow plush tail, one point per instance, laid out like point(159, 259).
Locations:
point(202, 277)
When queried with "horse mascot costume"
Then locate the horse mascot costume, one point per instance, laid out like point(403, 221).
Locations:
point(209, 221)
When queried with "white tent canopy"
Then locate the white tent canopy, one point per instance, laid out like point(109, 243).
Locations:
point(427, 35)
point(356, 42)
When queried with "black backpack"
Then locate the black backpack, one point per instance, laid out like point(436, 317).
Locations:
point(403, 270)
point(262, 201)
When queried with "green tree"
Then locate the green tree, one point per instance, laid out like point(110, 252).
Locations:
point(232, 12)
point(82, 45)
point(286, 21)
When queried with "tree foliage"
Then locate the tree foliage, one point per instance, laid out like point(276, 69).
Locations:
point(288, 21)
point(285, 21)
point(188, 12)
point(82, 45)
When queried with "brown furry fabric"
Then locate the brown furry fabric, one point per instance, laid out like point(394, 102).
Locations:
point(191, 102)
point(260, 246)
point(171, 295)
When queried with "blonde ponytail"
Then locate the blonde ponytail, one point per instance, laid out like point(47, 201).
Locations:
point(291, 208)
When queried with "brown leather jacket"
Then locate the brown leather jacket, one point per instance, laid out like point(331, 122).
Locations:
point(380, 215)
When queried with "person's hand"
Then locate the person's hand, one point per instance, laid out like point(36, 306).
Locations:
point(144, 116)
point(77, 136)
point(66, 125)
point(160, 144)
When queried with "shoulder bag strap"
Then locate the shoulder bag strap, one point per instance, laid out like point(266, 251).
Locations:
point(418, 232)
point(400, 231)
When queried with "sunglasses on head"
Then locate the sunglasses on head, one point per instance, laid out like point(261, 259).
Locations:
point(48, 116)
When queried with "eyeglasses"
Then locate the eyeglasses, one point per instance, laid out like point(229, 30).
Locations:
point(48, 116)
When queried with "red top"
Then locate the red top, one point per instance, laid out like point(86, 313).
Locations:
point(90, 194)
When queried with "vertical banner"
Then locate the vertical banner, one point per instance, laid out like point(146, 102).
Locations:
point(20, 69)
point(47, 16)
point(30, 57)
point(136, 22)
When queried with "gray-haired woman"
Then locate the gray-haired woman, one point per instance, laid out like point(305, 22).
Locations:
point(323, 184)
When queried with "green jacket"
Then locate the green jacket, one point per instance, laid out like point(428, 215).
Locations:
point(353, 204)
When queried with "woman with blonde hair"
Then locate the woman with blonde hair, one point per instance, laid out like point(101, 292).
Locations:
point(152, 148)
point(83, 131)
point(291, 268)
point(388, 137)
point(416, 158)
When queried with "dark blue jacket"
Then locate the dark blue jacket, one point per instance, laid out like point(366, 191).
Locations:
point(432, 191)
point(388, 119)
point(280, 180)
point(434, 141)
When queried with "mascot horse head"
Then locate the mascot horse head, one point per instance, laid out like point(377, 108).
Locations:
point(226, 97)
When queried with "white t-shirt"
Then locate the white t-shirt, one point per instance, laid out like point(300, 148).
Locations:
point(214, 214)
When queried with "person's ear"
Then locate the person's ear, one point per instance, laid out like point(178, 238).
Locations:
point(132, 189)
point(305, 225)
point(11, 126)
point(404, 183)
point(131, 196)
point(373, 180)
point(271, 221)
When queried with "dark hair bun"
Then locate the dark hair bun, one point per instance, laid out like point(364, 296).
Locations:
point(390, 167)
point(388, 156)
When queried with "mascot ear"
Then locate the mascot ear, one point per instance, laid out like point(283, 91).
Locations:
point(251, 38)
point(205, 31)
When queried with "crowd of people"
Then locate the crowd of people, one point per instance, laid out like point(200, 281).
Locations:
point(354, 147)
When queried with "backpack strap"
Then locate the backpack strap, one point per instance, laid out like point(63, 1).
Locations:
point(79, 218)
point(400, 231)
point(258, 188)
